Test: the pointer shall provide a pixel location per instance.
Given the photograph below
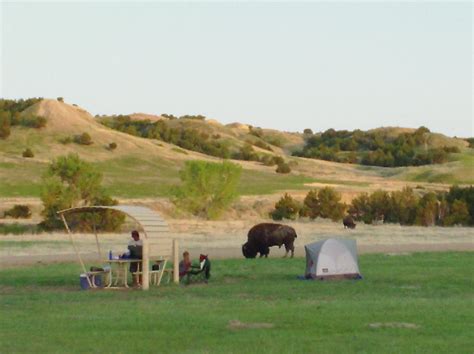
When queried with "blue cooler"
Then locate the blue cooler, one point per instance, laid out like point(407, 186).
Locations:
point(85, 284)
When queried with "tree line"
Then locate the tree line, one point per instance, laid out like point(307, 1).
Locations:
point(405, 207)
point(194, 140)
point(10, 116)
point(374, 148)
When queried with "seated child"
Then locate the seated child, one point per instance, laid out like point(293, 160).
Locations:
point(184, 265)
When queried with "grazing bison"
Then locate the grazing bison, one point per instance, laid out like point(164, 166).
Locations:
point(262, 236)
point(348, 222)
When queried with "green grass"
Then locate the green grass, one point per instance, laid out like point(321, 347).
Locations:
point(258, 183)
point(42, 310)
point(18, 229)
point(32, 244)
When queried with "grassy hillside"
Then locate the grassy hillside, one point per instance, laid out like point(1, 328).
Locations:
point(141, 167)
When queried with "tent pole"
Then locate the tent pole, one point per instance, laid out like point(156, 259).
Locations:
point(75, 249)
point(96, 238)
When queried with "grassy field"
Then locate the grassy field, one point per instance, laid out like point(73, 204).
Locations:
point(409, 303)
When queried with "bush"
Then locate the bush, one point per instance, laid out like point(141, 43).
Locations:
point(5, 124)
point(66, 140)
point(83, 139)
point(286, 208)
point(427, 211)
point(458, 214)
point(283, 168)
point(60, 99)
point(263, 145)
point(308, 131)
point(19, 212)
point(71, 182)
point(207, 188)
point(112, 146)
point(325, 203)
point(28, 153)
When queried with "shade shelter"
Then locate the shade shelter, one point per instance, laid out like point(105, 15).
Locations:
point(332, 259)
point(155, 231)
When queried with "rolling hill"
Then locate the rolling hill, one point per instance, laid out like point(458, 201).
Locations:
point(141, 167)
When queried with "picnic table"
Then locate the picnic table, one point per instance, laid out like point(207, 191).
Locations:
point(119, 269)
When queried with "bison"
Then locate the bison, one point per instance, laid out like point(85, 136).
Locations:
point(263, 236)
point(348, 222)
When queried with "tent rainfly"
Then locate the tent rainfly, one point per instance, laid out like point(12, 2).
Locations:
point(154, 228)
point(332, 259)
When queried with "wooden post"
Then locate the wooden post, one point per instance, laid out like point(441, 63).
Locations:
point(97, 239)
point(145, 264)
point(175, 262)
point(75, 250)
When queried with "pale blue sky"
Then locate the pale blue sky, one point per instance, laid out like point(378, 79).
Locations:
point(276, 65)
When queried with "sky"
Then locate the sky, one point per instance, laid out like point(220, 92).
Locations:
point(288, 66)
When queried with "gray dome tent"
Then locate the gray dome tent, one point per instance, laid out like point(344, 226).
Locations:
point(332, 259)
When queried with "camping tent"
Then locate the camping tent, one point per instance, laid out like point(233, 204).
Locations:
point(332, 258)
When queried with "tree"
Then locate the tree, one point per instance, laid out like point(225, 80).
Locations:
point(427, 211)
point(5, 124)
point(207, 188)
point(458, 214)
point(403, 206)
point(311, 205)
point(71, 182)
point(308, 131)
point(286, 208)
point(360, 208)
point(379, 205)
point(325, 203)
point(60, 99)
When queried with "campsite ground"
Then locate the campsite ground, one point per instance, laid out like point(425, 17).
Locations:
point(419, 302)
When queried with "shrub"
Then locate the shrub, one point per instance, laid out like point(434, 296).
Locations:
point(66, 140)
point(5, 124)
point(83, 139)
point(451, 149)
point(60, 99)
point(246, 153)
point(263, 145)
point(71, 182)
point(286, 208)
point(402, 207)
point(360, 208)
point(283, 168)
point(28, 153)
point(325, 203)
point(258, 132)
point(112, 146)
point(427, 211)
point(465, 194)
point(458, 214)
point(308, 131)
point(207, 188)
point(18, 212)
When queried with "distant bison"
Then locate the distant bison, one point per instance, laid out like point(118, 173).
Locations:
point(348, 222)
point(263, 236)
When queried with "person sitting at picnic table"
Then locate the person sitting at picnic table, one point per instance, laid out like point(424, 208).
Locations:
point(135, 248)
point(184, 265)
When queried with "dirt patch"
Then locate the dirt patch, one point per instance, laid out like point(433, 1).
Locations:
point(394, 325)
point(237, 325)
